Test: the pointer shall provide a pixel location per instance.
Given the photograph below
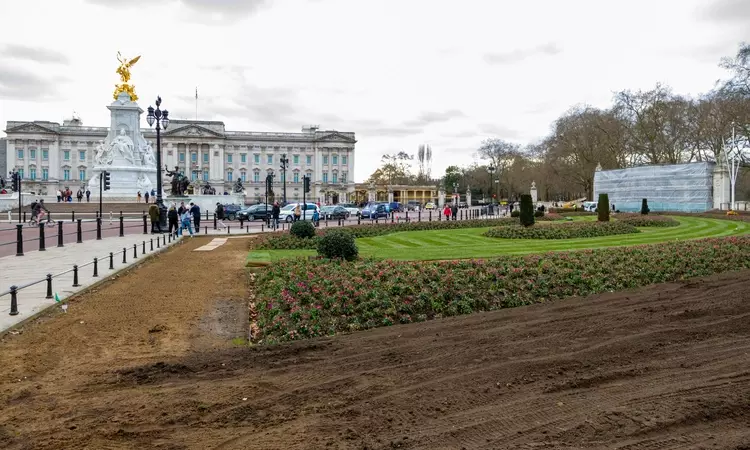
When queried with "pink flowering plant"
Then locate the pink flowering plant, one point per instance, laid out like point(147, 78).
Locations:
point(304, 298)
point(641, 220)
point(569, 230)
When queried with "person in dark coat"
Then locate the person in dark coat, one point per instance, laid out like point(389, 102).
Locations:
point(153, 212)
point(275, 212)
point(220, 215)
point(195, 210)
point(454, 211)
point(173, 221)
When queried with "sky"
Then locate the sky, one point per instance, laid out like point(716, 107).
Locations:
point(398, 73)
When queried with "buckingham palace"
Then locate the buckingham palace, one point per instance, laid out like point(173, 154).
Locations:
point(50, 156)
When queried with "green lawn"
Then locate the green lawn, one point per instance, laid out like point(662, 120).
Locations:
point(469, 243)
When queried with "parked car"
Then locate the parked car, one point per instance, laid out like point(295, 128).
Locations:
point(287, 212)
point(352, 208)
point(463, 205)
point(231, 210)
point(396, 207)
point(429, 205)
point(589, 206)
point(255, 212)
point(375, 211)
point(413, 205)
point(333, 212)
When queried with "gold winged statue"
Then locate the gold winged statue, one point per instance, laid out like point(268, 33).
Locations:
point(124, 72)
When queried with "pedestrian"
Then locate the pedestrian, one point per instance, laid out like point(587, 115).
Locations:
point(139, 196)
point(181, 209)
point(146, 196)
point(153, 193)
point(316, 218)
point(186, 223)
point(220, 215)
point(172, 216)
point(447, 212)
point(195, 210)
point(88, 196)
point(297, 212)
point(79, 195)
point(275, 212)
point(454, 211)
point(59, 196)
point(153, 212)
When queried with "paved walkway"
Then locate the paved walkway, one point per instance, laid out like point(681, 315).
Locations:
point(34, 266)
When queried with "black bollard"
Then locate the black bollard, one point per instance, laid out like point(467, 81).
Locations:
point(111, 261)
point(359, 220)
point(228, 228)
point(164, 240)
point(13, 301)
point(98, 228)
point(19, 239)
point(430, 216)
point(170, 237)
point(205, 231)
point(96, 267)
point(135, 251)
point(214, 221)
point(79, 233)
point(124, 255)
point(49, 286)
point(72, 216)
point(261, 227)
point(145, 226)
point(407, 216)
point(24, 217)
point(122, 226)
point(42, 240)
point(152, 244)
point(60, 233)
point(158, 243)
point(143, 252)
point(75, 276)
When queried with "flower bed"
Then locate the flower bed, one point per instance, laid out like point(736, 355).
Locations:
point(641, 220)
point(302, 298)
point(709, 215)
point(570, 230)
point(283, 241)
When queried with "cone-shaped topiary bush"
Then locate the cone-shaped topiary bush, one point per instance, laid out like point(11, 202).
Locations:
point(644, 207)
point(527, 210)
point(602, 208)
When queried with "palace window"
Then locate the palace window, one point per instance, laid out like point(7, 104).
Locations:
point(243, 158)
point(66, 174)
point(256, 159)
point(296, 177)
point(66, 155)
point(205, 157)
point(325, 160)
point(335, 177)
point(325, 177)
point(335, 160)
point(295, 159)
point(194, 158)
point(343, 160)
point(256, 177)
point(32, 173)
point(309, 160)
point(45, 174)
point(45, 154)
point(229, 158)
point(309, 175)
point(343, 177)
point(182, 157)
point(205, 175)
point(82, 175)
point(243, 176)
point(195, 174)
point(81, 155)
point(229, 175)
point(20, 153)
point(32, 153)
point(20, 172)
point(270, 159)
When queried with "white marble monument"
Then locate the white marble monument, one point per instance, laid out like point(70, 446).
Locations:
point(533, 192)
point(125, 154)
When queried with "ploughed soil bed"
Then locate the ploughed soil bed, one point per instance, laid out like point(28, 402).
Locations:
point(662, 367)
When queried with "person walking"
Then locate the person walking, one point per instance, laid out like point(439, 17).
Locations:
point(172, 217)
point(139, 196)
point(447, 212)
point(153, 212)
point(275, 213)
point(186, 223)
point(79, 195)
point(88, 196)
point(297, 212)
point(454, 211)
point(146, 196)
point(59, 196)
point(195, 210)
point(220, 215)
point(181, 209)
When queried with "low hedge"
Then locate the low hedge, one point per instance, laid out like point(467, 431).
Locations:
point(577, 213)
point(642, 220)
point(301, 298)
point(570, 230)
point(284, 241)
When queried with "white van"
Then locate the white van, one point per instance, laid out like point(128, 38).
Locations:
point(589, 206)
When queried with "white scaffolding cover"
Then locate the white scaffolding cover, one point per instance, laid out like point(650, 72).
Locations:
point(676, 187)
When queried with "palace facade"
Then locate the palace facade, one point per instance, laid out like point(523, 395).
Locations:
point(51, 156)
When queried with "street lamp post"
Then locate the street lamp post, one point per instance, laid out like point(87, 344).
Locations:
point(161, 118)
point(455, 194)
point(491, 170)
point(284, 165)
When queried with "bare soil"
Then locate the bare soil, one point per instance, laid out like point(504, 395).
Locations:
point(148, 362)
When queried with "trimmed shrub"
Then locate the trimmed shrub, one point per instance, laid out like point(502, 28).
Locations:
point(338, 244)
point(568, 230)
point(644, 206)
point(637, 220)
point(602, 208)
point(527, 210)
point(538, 213)
point(302, 229)
point(515, 213)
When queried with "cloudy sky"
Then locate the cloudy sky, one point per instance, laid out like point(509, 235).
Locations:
point(396, 72)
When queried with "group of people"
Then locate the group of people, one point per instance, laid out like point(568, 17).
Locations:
point(80, 194)
point(183, 217)
point(65, 195)
point(450, 211)
point(147, 195)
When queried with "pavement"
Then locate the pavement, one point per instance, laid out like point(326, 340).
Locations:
point(34, 266)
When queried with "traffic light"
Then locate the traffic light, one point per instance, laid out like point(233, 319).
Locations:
point(106, 175)
point(16, 178)
point(269, 183)
point(306, 183)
